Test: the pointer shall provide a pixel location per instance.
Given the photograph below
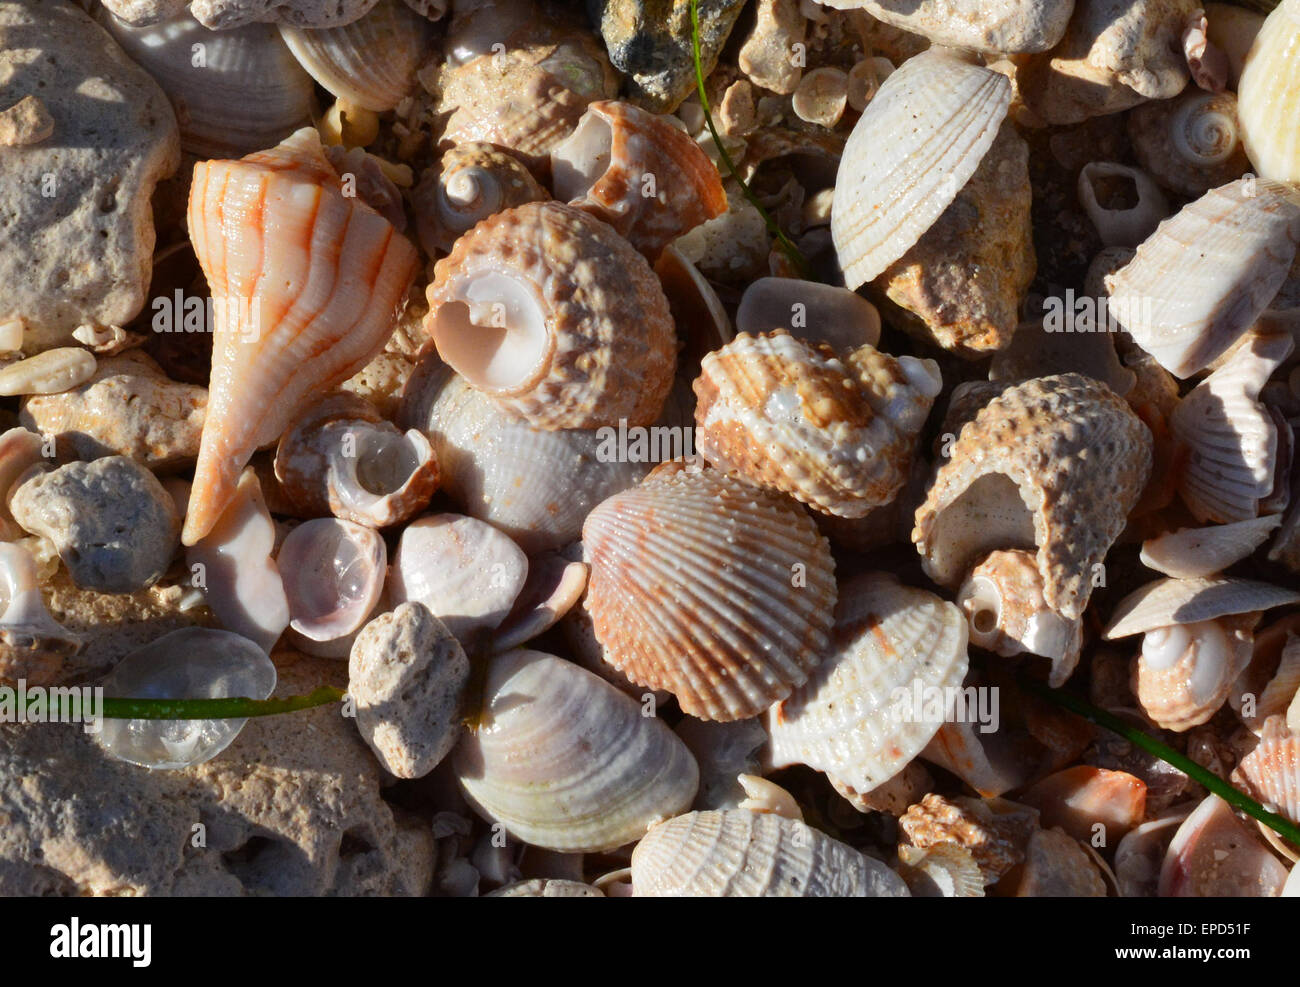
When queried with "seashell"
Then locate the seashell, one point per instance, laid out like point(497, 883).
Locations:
point(943, 871)
point(679, 566)
point(864, 713)
point(1268, 685)
point(837, 434)
point(998, 27)
point(1003, 602)
point(190, 663)
point(216, 115)
point(375, 474)
point(821, 96)
point(1140, 208)
point(1055, 464)
point(541, 887)
point(1042, 348)
point(1270, 773)
point(1081, 798)
point(48, 372)
point(1267, 95)
point(471, 182)
point(333, 574)
point(1190, 601)
point(1230, 443)
point(556, 318)
point(1209, 65)
point(596, 773)
point(808, 310)
point(465, 571)
point(741, 854)
point(865, 78)
point(1191, 552)
point(1233, 31)
point(1139, 855)
point(312, 286)
point(1057, 866)
point(370, 177)
point(994, 831)
point(370, 62)
point(917, 143)
point(536, 486)
point(894, 796)
point(1190, 144)
point(232, 564)
point(638, 173)
point(725, 752)
point(301, 462)
point(1213, 854)
point(553, 587)
point(697, 310)
point(20, 450)
point(1184, 673)
point(762, 795)
point(1186, 307)
point(32, 644)
point(990, 764)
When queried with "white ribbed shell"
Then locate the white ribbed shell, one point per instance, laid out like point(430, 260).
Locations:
point(1190, 552)
point(916, 145)
point(1190, 601)
point(567, 762)
point(1268, 97)
point(736, 853)
point(1271, 772)
point(846, 719)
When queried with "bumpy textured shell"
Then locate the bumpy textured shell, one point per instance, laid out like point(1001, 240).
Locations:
point(1231, 441)
point(1076, 456)
point(657, 182)
point(854, 717)
point(1269, 95)
point(537, 486)
point(611, 344)
point(567, 762)
point(995, 832)
point(741, 854)
point(717, 591)
point(838, 434)
point(917, 143)
point(370, 62)
point(313, 282)
point(1207, 273)
point(472, 182)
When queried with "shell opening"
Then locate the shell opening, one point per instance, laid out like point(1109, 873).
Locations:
point(335, 577)
point(578, 162)
point(494, 333)
point(988, 516)
point(1123, 203)
point(385, 460)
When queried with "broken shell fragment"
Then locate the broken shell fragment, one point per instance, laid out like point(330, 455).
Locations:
point(1271, 772)
point(556, 318)
point(1140, 210)
point(945, 870)
point(333, 573)
point(472, 182)
point(737, 853)
point(1267, 95)
point(1214, 854)
point(821, 96)
point(1056, 866)
point(808, 310)
point(553, 588)
point(191, 663)
point(566, 762)
point(679, 566)
point(1191, 552)
point(32, 644)
point(375, 474)
point(48, 372)
point(994, 831)
point(998, 27)
point(1084, 797)
point(20, 450)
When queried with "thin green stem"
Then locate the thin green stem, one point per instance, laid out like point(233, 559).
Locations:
point(235, 707)
point(1233, 796)
point(789, 249)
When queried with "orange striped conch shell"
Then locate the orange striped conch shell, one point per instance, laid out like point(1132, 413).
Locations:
point(307, 282)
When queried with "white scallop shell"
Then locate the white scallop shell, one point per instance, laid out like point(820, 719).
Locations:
point(1190, 601)
point(854, 717)
point(1191, 552)
point(1269, 95)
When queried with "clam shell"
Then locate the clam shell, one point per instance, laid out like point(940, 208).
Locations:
point(1054, 463)
point(556, 318)
point(854, 717)
point(1189, 601)
point(234, 91)
point(312, 283)
point(370, 62)
point(1269, 95)
point(536, 486)
point(567, 762)
point(471, 182)
point(637, 172)
point(1207, 273)
point(1230, 439)
point(1191, 552)
point(917, 143)
point(740, 854)
point(333, 573)
point(1214, 854)
point(719, 592)
point(837, 434)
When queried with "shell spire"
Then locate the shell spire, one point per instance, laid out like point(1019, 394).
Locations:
point(307, 283)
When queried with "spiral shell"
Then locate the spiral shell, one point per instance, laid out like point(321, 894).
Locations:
point(1268, 95)
point(1191, 143)
point(301, 456)
point(311, 283)
point(1208, 273)
point(854, 717)
point(837, 434)
point(742, 854)
point(556, 318)
point(637, 172)
point(1055, 464)
point(917, 143)
point(472, 182)
point(567, 762)
point(719, 592)
point(370, 62)
point(375, 474)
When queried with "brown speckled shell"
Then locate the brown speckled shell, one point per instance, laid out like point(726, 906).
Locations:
point(695, 588)
point(500, 182)
point(612, 347)
point(1079, 459)
point(837, 434)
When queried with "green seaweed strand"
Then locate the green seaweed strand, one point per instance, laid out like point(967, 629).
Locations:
point(234, 707)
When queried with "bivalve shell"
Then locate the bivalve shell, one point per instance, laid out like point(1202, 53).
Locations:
point(1269, 95)
point(1188, 601)
point(1271, 772)
point(1191, 552)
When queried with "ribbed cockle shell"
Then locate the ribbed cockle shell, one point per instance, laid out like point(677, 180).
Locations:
point(309, 283)
point(1269, 95)
point(717, 591)
point(835, 432)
